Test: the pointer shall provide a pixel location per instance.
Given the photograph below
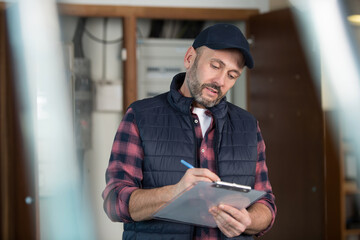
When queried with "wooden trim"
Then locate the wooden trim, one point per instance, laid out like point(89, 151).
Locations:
point(130, 65)
point(335, 193)
point(4, 200)
point(156, 12)
point(2, 5)
point(17, 219)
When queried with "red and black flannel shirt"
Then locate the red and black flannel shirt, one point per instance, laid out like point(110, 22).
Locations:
point(124, 176)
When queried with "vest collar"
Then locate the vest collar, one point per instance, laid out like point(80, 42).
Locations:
point(183, 104)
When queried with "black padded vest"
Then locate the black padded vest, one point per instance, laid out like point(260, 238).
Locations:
point(167, 133)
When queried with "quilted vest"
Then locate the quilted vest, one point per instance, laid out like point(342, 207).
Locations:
point(167, 133)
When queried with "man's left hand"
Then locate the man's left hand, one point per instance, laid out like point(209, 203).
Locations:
point(231, 221)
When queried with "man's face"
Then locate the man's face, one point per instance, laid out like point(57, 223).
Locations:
point(212, 74)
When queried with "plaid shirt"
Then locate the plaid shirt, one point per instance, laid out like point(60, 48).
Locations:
point(124, 173)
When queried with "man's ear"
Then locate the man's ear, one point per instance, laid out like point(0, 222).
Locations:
point(189, 57)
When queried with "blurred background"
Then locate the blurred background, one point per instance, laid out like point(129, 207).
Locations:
point(69, 69)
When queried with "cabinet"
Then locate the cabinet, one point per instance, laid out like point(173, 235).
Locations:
point(158, 62)
point(342, 181)
point(284, 98)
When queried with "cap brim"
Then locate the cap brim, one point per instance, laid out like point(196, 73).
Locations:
point(249, 62)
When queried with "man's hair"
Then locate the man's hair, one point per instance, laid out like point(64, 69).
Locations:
point(199, 51)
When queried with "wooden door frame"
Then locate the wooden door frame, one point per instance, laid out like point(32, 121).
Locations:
point(4, 183)
point(284, 97)
point(18, 218)
point(130, 14)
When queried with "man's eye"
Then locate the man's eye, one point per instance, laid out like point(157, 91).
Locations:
point(214, 66)
point(233, 76)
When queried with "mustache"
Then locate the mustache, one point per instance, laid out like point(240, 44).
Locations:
point(211, 85)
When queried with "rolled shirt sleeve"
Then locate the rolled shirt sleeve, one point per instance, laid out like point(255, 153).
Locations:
point(124, 173)
point(262, 182)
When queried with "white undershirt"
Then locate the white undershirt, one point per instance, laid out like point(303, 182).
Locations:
point(205, 120)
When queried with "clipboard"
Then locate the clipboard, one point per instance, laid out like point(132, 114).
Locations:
point(192, 206)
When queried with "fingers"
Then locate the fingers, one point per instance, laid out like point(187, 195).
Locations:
point(193, 176)
point(203, 173)
point(231, 221)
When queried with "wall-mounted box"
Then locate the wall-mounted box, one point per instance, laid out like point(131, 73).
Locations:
point(158, 61)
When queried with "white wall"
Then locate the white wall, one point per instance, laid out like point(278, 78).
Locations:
point(104, 124)
point(96, 161)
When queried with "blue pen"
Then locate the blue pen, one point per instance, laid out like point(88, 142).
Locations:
point(186, 163)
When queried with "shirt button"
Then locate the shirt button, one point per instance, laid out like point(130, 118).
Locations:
point(196, 121)
point(202, 150)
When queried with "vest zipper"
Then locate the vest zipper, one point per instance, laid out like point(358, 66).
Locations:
point(216, 147)
point(197, 162)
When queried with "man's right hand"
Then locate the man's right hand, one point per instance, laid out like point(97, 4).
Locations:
point(192, 176)
point(144, 202)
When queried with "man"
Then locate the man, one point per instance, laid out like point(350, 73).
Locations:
point(193, 121)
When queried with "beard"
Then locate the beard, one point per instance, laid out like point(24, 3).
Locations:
point(196, 88)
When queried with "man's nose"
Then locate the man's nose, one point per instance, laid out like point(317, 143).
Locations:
point(220, 79)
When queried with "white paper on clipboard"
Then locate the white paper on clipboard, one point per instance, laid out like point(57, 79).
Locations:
point(192, 206)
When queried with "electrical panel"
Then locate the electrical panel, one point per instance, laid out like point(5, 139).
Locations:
point(83, 102)
point(159, 60)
